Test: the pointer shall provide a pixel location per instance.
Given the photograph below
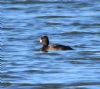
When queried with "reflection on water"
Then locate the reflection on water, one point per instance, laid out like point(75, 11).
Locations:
point(75, 23)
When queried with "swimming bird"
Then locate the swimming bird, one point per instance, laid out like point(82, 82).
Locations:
point(44, 40)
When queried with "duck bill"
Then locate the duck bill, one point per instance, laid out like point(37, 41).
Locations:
point(40, 41)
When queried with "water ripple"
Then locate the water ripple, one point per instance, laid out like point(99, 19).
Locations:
point(74, 23)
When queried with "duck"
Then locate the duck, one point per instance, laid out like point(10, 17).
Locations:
point(44, 40)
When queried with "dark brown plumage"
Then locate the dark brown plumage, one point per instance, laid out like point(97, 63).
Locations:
point(44, 40)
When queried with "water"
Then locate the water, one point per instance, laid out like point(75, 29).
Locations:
point(73, 22)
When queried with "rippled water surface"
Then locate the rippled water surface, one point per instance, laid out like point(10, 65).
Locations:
point(69, 22)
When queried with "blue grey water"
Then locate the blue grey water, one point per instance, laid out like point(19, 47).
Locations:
point(69, 22)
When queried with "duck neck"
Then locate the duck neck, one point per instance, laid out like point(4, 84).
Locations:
point(45, 46)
